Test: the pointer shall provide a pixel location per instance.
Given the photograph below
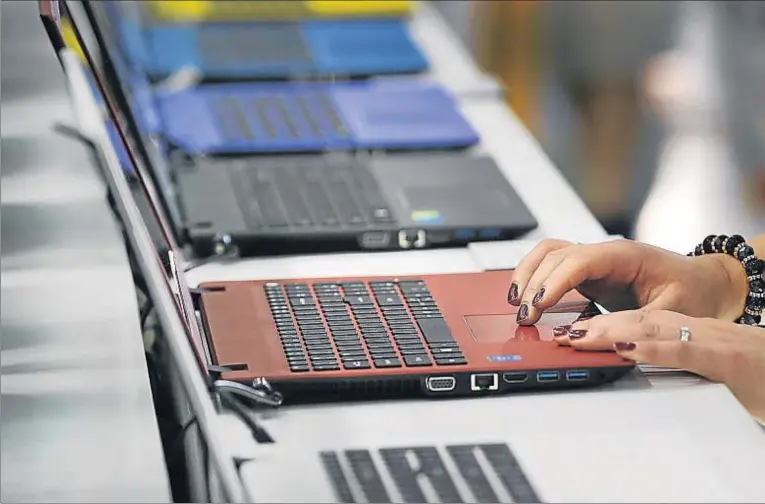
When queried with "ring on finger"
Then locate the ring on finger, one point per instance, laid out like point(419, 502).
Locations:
point(685, 334)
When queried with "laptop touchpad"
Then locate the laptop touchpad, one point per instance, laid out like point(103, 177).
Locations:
point(503, 327)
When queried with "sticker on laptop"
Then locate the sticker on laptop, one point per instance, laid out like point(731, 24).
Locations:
point(427, 216)
point(505, 358)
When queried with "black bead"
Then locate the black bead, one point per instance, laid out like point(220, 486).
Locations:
point(718, 242)
point(743, 252)
point(755, 304)
point(699, 250)
point(755, 267)
point(733, 242)
point(757, 285)
point(748, 320)
point(707, 244)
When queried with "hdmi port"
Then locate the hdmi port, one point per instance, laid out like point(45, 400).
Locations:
point(515, 377)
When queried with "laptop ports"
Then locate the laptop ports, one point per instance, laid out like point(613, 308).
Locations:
point(484, 382)
point(515, 377)
point(441, 383)
point(375, 240)
point(577, 375)
point(548, 376)
point(489, 234)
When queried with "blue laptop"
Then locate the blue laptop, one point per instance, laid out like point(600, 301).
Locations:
point(252, 51)
point(239, 118)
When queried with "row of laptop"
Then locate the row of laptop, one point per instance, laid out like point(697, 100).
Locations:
point(373, 164)
point(442, 335)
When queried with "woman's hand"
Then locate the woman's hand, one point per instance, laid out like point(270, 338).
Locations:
point(624, 275)
point(719, 351)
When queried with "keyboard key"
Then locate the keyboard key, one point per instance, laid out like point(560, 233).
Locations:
point(383, 354)
point(389, 300)
point(435, 330)
point(445, 350)
point(387, 363)
point(357, 300)
point(356, 364)
point(334, 366)
point(450, 361)
point(298, 368)
point(418, 360)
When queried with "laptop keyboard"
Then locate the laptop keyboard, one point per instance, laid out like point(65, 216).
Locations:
point(361, 325)
point(284, 194)
point(277, 116)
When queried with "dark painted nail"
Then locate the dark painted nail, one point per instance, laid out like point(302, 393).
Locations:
point(577, 334)
point(523, 313)
point(512, 294)
point(538, 297)
point(624, 346)
point(560, 330)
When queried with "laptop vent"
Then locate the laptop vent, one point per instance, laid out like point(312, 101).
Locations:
point(359, 389)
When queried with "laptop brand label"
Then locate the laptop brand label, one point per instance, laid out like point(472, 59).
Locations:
point(456, 473)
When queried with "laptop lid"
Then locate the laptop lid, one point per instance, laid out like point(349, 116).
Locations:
point(132, 98)
point(86, 97)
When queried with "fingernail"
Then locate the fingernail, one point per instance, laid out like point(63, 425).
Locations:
point(627, 346)
point(575, 334)
point(512, 294)
point(538, 297)
point(523, 313)
point(559, 331)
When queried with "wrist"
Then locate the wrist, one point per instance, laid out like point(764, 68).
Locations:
point(730, 275)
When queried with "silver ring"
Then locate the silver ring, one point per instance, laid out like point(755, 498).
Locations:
point(685, 334)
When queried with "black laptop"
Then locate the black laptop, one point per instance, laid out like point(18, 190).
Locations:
point(340, 200)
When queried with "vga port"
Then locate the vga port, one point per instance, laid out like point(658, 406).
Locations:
point(441, 383)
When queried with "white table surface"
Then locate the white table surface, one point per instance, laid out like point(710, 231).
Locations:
point(78, 420)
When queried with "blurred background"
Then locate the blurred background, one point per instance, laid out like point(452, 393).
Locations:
point(654, 111)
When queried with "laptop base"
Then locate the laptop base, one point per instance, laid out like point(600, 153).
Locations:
point(292, 204)
point(442, 386)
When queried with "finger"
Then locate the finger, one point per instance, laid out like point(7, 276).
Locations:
point(585, 262)
point(534, 290)
point(528, 265)
point(637, 325)
point(696, 357)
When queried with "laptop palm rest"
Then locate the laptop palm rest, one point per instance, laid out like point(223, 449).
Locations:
point(450, 190)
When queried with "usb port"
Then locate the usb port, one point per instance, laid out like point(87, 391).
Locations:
point(548, 376)
point(464, 234)
point(490, 233)
point(577, 375)
point(515, 377)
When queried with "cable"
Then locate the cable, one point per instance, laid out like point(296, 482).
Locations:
point(258, 433)
point(175, 448)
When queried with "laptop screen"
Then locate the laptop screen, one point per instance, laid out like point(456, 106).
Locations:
point(83, 20)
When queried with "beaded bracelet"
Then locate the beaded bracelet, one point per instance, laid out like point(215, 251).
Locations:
point(735, 246)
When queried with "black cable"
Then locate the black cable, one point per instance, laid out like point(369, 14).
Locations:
point(175, 448)
point(258, 433)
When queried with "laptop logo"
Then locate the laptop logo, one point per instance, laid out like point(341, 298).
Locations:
point(456, 473)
